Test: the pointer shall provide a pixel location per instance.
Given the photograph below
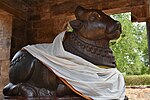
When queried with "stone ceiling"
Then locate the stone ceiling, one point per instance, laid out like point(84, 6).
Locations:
point(138, 8)
point(34, 1)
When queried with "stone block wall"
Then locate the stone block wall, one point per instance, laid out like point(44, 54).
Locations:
point(43, 23)
point(5, 45)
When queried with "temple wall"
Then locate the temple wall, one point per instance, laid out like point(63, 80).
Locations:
point(5, 45)
point(44, 24)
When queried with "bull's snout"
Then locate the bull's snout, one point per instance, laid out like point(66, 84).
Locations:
point(115, 31)
point(117, 26)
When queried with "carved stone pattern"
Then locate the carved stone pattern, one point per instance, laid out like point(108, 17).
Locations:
point(98, 53)
point(18, 59)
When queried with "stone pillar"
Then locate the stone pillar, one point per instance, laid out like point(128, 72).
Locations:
point(5, 45)
point(148, 28)
point(148, 38)
point(148, 35)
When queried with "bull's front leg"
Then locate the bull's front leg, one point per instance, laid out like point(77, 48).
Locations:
point(24, 78)
point(21, 69)
point(31, 78)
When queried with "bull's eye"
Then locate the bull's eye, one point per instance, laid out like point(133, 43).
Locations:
point(94, 16)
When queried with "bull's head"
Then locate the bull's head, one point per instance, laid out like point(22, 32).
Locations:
point(95, 25)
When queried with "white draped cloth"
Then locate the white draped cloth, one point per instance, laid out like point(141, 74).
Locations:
point(83, 77)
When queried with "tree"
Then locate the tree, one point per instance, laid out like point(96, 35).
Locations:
point(131, 48)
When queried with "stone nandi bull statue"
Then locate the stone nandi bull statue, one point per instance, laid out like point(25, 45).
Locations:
point(92, 31)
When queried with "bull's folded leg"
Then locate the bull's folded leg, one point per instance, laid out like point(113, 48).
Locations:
point(27, 90)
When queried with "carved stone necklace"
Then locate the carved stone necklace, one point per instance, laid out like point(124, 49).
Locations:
point(89, 50)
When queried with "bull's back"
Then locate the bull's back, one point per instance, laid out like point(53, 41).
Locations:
point(25, 68)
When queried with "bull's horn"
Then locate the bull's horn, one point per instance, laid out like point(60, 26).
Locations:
point(79, 11)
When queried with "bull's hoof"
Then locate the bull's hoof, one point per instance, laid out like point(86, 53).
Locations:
point(27, 90)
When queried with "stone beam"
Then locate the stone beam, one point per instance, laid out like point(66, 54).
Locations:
point(110, 7)
point(15, 7)
point(139, 13)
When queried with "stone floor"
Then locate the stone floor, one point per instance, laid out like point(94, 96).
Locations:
point(132, 93)
point(138, 93)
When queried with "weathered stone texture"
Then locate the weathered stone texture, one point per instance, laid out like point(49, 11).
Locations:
point(43, 26)
point(138, 93)
point(5, 45)
point(4, 70)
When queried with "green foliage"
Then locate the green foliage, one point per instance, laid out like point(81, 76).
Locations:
point(133, 80)
point(131, 49)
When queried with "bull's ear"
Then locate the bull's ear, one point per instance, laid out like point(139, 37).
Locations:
point(76, 24)
point(79, 11)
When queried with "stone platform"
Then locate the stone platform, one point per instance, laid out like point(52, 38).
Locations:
point(133, 93)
